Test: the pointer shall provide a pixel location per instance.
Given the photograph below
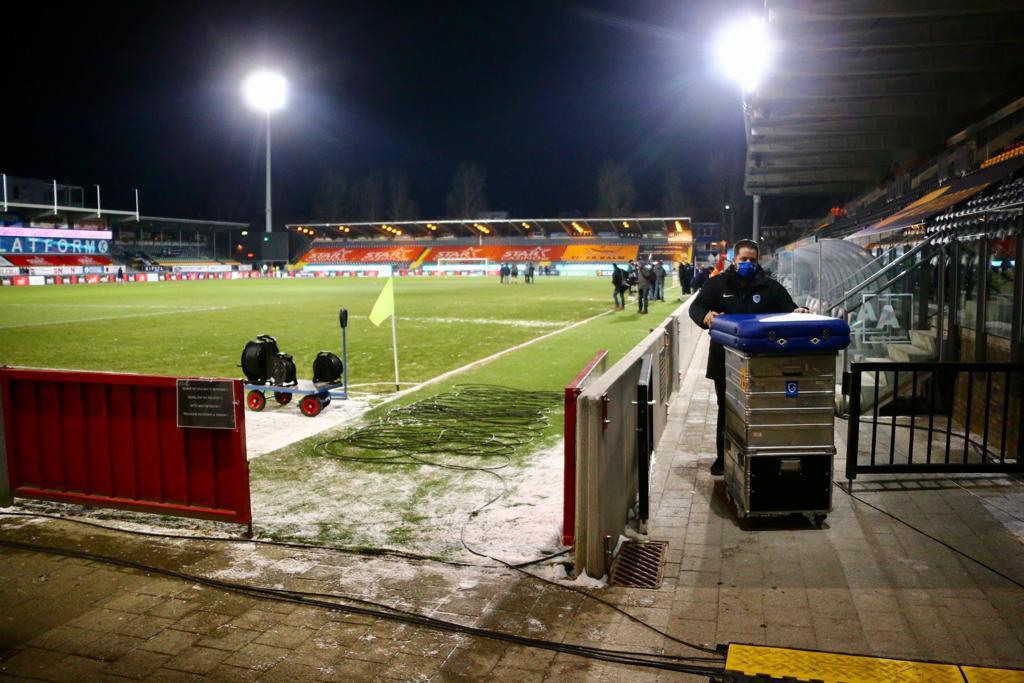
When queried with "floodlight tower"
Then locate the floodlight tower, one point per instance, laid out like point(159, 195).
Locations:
point(266, 91)
point(745, 51)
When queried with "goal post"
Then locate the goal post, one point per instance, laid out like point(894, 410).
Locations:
point(464, 262)
point(461, 265)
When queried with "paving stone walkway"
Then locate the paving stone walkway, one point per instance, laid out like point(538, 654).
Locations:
point(863, 584)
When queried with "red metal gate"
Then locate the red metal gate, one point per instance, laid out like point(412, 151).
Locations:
point(113, 440)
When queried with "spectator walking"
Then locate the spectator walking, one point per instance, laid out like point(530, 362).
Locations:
point(659, 281)
point(645, 280)
point(619, 286)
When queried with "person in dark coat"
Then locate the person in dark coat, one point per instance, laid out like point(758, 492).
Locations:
point(659, 281)
point(685, 276)
point(645, 280)
point(619, 287)
point(742, 288)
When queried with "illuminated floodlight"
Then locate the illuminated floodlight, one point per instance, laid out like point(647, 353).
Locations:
point(744, 51)
point(265, 90)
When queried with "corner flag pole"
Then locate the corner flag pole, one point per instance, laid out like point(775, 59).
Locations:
point(394, 348)
point(385, 307)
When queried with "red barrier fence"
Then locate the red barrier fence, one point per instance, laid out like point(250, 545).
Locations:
point(113, 440)
point(593, 369)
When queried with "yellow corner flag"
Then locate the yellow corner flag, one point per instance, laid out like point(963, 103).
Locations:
point(385, 305)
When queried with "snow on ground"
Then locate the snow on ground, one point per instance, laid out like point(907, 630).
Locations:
point(279, 426)
point(526, 523)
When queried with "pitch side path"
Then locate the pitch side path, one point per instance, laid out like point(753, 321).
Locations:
point(865, 584)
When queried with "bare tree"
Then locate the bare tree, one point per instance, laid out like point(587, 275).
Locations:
point(615, 189)
point(367, 197)
point(331, 202)
point(674, 200)
point(401, 207)
point(466, 198)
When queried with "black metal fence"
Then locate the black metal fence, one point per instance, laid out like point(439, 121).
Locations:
point(934, 417)
point(644, 439)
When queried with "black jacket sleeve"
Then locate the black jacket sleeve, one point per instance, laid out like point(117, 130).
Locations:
point(704, 302)
point(781, 300)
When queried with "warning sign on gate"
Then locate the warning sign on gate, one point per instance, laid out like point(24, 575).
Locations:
point(206, 403)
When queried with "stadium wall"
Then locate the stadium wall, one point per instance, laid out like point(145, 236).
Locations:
point(607, 471)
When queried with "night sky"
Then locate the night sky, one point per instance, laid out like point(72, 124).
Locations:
point(539, 93)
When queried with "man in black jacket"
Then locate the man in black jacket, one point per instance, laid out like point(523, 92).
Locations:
point(742, 288)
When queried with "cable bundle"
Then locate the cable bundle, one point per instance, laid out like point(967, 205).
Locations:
point(472, 421)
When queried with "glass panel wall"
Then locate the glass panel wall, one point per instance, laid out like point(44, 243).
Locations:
point(999, 311)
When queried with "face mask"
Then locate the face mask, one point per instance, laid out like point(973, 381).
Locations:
point(746, 269)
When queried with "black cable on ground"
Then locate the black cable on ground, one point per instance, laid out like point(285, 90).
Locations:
point(471, 421)
point(491, 421)
point(355, 550)
point(634, 619)
point(695, 665)
point(924, 533)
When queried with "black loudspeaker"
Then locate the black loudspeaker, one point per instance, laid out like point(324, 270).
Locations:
point(327, 367)
point(343, 317)
point(282, 370)
point(256, 358)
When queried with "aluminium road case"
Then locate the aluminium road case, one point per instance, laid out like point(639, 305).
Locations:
point(779, 422)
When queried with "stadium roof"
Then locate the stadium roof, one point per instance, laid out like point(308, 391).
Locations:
point(859, 87)
point(114, 217)
point(625, 226)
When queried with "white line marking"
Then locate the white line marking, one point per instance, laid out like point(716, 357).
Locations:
point(484, 361)
point(110, 317)
point(491, 321)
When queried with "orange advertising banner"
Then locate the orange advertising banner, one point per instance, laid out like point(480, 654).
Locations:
point(325, 255)
point(498, 253)
point(599, 252)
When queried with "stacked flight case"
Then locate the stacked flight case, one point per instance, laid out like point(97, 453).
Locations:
point(779, 417)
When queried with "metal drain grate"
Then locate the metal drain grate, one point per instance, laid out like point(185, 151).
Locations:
point(639, 564)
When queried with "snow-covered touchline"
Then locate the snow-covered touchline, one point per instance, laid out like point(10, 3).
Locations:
point(494, 356)
point(490, 321)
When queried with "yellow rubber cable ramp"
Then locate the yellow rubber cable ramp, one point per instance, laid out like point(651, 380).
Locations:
point(761, 663)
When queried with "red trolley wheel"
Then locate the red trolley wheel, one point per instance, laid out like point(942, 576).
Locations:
point(282, 397)
point(256, 400)
point(311, 406)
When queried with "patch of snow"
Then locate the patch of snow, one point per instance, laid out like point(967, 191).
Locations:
point(277, 426)
point(585, 581)
point(526, 523)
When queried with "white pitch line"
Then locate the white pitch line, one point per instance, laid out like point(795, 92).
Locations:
point(484, 361)
point(489, 321)
point(110, 317)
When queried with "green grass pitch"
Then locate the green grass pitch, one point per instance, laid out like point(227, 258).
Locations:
point(200, 328)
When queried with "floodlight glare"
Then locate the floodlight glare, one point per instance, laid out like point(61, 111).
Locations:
point(265, 90)
point(744, 51)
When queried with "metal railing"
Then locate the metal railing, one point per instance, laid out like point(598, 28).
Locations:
point(882, 273)
point(941, 417)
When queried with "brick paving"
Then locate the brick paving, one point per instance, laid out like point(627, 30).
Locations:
point(863, 584)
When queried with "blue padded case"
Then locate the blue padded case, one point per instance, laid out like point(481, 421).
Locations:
point(780, 332)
